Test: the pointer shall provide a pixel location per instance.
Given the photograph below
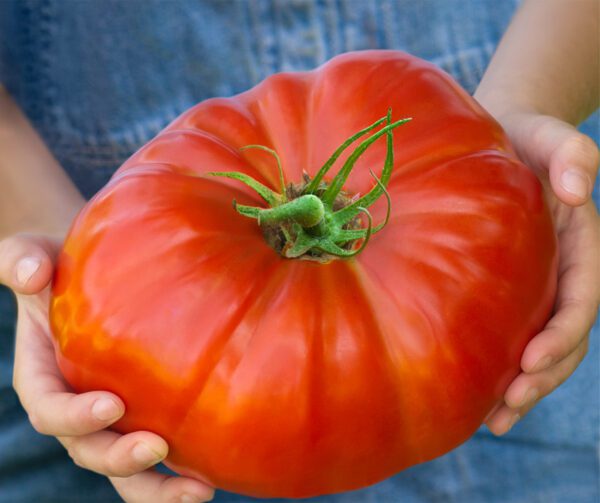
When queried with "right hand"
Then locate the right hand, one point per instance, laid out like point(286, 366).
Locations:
point(79, 421)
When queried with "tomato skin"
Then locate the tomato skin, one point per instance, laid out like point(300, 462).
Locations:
point(274, 377)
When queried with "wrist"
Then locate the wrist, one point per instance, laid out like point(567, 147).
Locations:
point(502, 101)
point(546, 63)
point(37, 195)
point(55, 223)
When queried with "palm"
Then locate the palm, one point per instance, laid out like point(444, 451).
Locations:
point(73, 418)
point(34, 353)
point(576, 229)
point(549, 146)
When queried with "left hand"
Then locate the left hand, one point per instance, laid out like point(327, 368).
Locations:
point(79, 421)
point(566, 162)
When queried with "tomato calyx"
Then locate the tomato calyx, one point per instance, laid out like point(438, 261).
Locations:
point(316, 220)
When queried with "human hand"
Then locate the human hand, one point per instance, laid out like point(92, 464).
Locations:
point(79, 421)
point(566, 162)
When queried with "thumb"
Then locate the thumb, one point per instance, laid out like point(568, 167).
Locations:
point(569, 157)
point(27, 262)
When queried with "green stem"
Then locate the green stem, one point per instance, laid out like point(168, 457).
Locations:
point(277, 159)
point(307, 210)
point(308, 226)
point(321, 229)
point(271, 197)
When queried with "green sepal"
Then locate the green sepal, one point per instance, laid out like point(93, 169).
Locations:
point(247, 211)
point(313, 186)
point(329, 246)
point(338, 181)
point(308, 224)
point(271, 197)
point(346, 214)
point(279, 167)
point(302, 245)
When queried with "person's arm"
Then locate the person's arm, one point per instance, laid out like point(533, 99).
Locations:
point(542, 82)
point(548, 61)
point(37, 195)
point(37, 204)
point(548, 65)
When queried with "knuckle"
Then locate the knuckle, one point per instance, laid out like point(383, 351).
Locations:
point(581, 146)
point(111, 466)
point(556, 379)
point(73, 418)
point(116, 465)
point(585, 346)
point(527, 409)
point(542, 126)
point(9, 244)
point(577, 320)
point(579, 303)
point(5, 260)
point(16, 384)
point(74, 453)
point(36, 418)
point(36, 422)
point(77, 461)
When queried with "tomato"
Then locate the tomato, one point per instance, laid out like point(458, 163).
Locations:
point(274, 376)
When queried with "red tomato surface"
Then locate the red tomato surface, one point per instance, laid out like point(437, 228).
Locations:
point(270, 376)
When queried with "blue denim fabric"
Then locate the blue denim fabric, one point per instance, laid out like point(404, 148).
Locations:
point(100, 78)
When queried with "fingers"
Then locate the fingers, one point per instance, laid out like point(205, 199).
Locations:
point(109, 453)
point(67, 414)
point(53, 409)
point(26, 262)
point(573, 166)
point(150, 486)
point(563, 335)
point(79, 420)
point(578, 293)
point(554, 354)
point(527, 389)
point(550, 145)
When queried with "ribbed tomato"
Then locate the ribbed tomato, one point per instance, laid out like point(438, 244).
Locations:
point(277, 376)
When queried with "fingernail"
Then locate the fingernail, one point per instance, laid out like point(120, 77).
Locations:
point(188, 498)
point(26, 268)
point(513, 421)
point(105, 409)
point(543, 363)
point(192, 498)
point(145, 455)
point(530, 397)
point(576, 183)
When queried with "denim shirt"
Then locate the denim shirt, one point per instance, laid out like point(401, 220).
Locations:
point(100, 78)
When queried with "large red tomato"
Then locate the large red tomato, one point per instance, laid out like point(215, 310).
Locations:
point(275, 376)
